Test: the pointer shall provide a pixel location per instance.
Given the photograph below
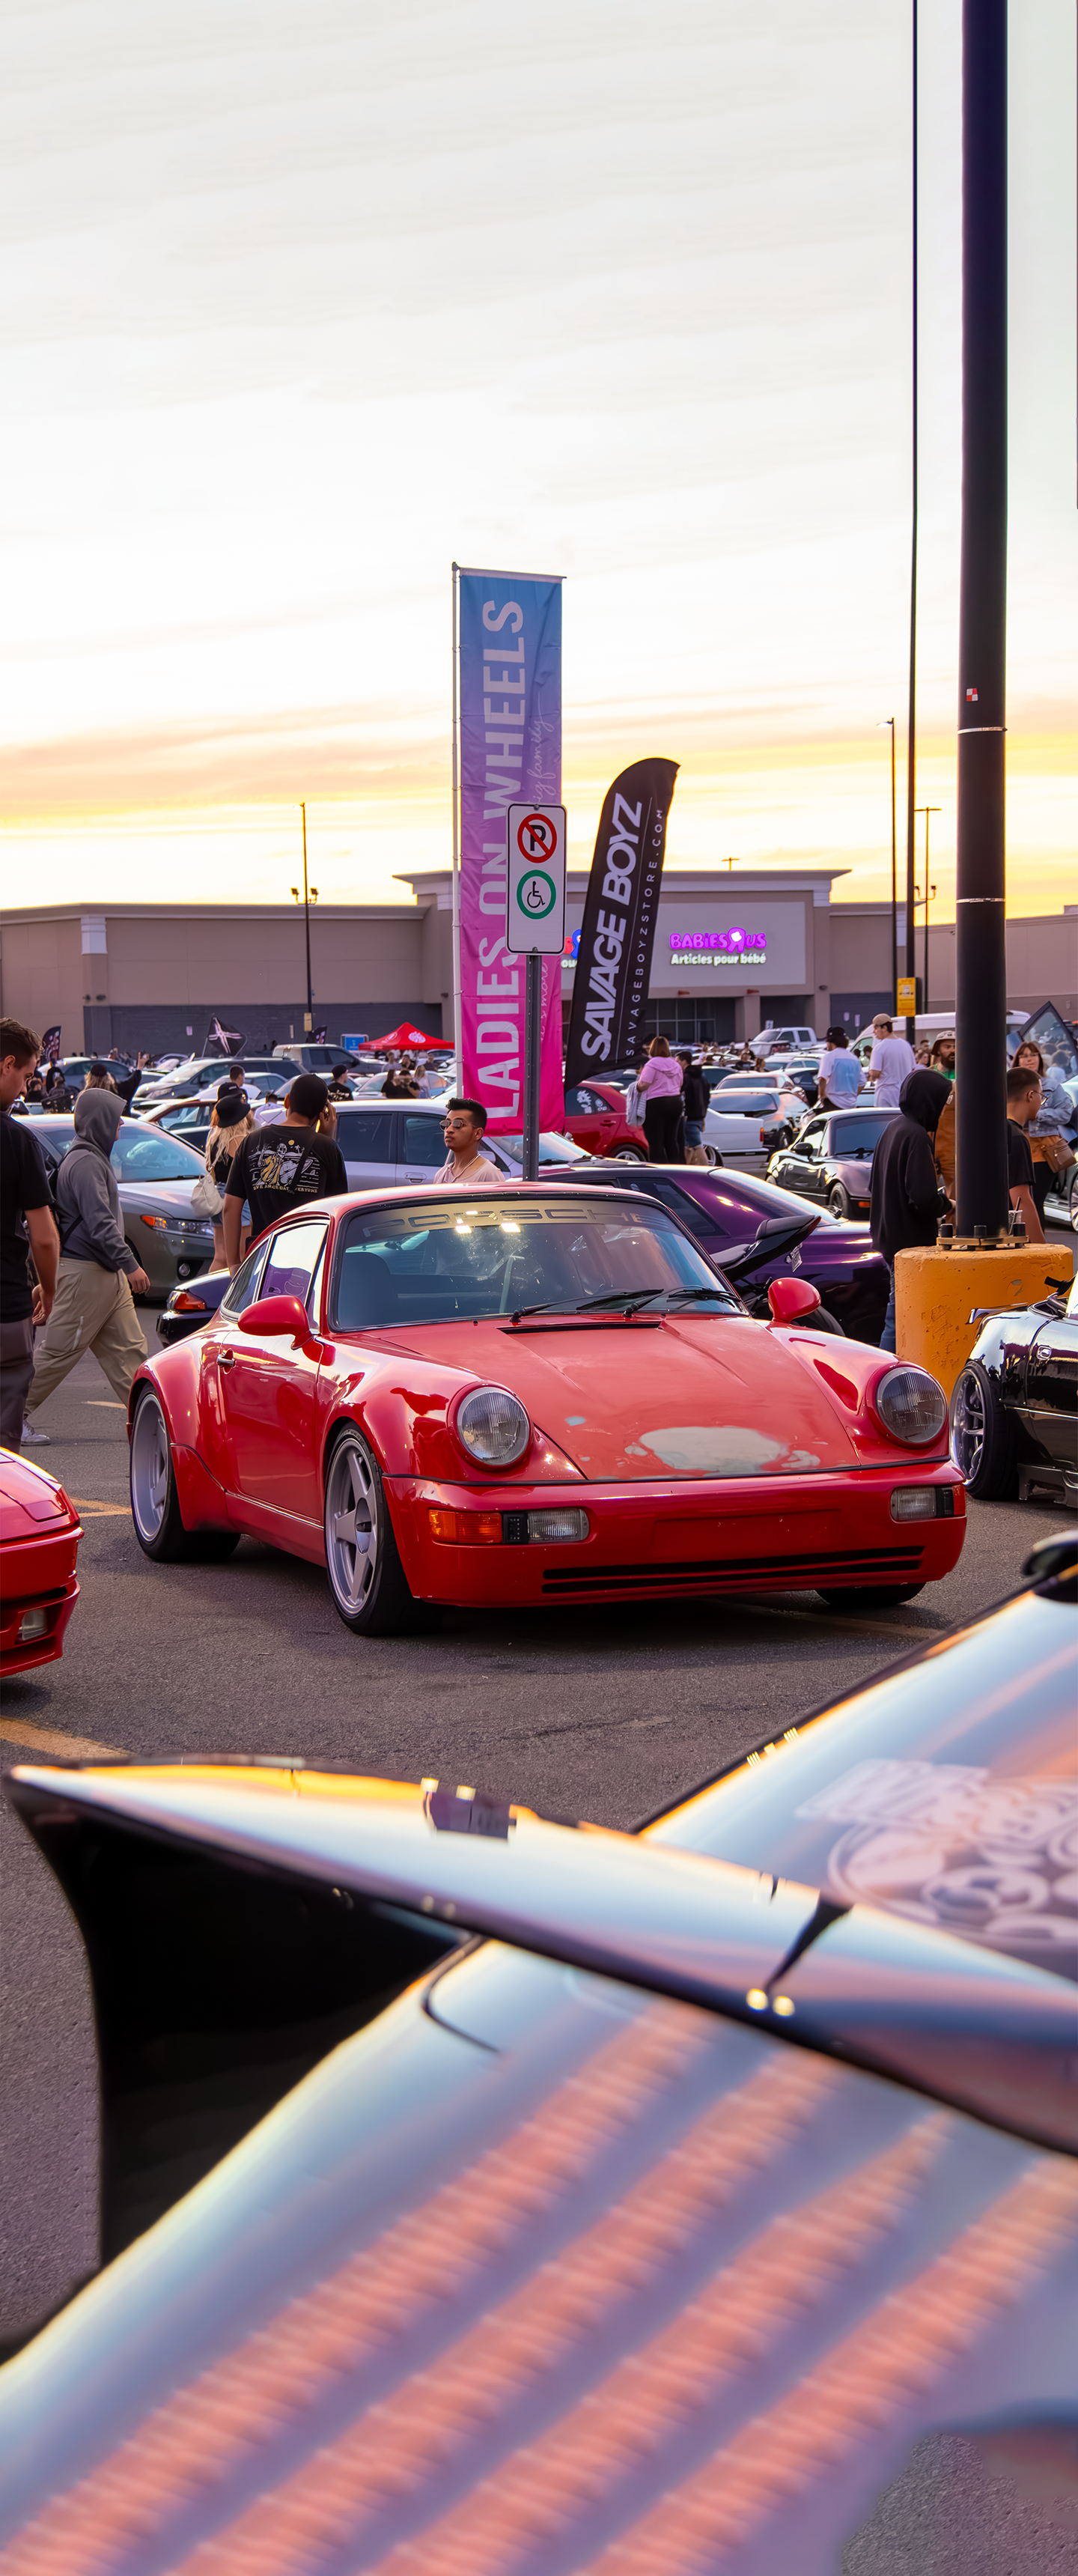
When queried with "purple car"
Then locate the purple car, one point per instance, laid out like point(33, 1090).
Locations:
point(756, 1233)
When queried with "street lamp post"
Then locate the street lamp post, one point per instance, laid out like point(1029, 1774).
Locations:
point(911, 752)
point(309, 896)
point(882, 726)
point(980, 909)
point(926, 810)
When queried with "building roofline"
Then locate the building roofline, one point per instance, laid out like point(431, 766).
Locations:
point(88, 909)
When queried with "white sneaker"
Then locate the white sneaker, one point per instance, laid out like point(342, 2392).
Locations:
point(32, 1439)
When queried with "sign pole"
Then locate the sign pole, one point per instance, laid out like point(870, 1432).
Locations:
point(533, 1002)
point(910, 978)
point(534, 929)
point(458, 1031)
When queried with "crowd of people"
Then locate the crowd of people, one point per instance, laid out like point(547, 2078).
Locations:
point(67, 1269)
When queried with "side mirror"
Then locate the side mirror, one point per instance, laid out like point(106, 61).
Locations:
point(272, 1316)
point(790, 1300)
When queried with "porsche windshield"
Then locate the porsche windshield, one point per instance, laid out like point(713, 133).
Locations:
point(438, 1258)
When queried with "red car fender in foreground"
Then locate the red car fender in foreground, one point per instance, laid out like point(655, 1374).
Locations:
point(39, 1540)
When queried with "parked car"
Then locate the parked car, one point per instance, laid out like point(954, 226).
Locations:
point(830, 1158)
point(756, 1233)
point(156, 1175)
point(738, 1121)
point(304, 1058)
point(203, 1073)
point(802, 1072)
point(39, 1544)
point(787, 1041)
point(383, 1141)
point(657, 2226)
point(191, 1305)
point(1014, 1411)
point(596, 1120)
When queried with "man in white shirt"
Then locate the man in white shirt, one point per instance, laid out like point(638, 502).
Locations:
point(890, 1061)
point(466, 1168)
point(840, 1077)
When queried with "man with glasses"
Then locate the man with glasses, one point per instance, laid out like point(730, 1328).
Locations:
point(465, 1167)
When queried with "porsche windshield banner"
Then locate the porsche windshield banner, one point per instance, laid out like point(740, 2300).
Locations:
point(510, 747)
point(613, 967)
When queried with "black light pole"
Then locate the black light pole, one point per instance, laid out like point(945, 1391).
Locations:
point(308, 1016)
point(926, 810)
point(981, 1014)
point(911, 755)
point(881, 728)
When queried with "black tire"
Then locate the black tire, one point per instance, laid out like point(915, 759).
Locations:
point(366, 1578)
point(715, 1161)
point(155, 1503)
point(982, 1437)
point(870, 1596)
point(628, 1154)
point(838, 1201)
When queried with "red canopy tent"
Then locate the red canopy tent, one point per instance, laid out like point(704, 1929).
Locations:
point(406, 1040)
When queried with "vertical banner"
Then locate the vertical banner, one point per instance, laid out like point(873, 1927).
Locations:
point(613, 965)
point(510, 749)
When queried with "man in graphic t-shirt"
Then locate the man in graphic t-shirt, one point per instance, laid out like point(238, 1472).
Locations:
point(278, 1168)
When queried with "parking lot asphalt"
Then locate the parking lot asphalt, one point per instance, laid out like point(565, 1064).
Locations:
point(599, 1713)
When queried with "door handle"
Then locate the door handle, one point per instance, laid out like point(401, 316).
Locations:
point(226, 1359)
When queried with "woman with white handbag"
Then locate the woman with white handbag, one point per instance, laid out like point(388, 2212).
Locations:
point(232, 1119)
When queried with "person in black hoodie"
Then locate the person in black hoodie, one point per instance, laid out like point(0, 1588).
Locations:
point(694, 1098)
point(905, 1205)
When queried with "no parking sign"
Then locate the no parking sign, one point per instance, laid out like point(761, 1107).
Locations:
point(535, 880)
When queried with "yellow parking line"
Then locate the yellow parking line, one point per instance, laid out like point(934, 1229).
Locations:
point(46, 1739)
point(826, 1620)
point(101, 1510)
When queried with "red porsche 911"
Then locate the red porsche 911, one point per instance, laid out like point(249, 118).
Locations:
point(536, 1394)
point(39, 1542)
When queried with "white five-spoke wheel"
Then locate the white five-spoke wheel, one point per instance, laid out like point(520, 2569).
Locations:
point(366, 1576)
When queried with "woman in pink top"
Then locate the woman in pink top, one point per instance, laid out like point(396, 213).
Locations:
point(659, 1086)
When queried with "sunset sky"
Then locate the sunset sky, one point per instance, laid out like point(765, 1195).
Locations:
point(301, 299)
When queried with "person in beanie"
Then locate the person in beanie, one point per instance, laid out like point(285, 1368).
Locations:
point(230, 1121)
point(277, 1168)
point(906, 1196)
point(94, 1305)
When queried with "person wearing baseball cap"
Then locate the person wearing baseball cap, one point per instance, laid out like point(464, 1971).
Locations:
point(278, 1168)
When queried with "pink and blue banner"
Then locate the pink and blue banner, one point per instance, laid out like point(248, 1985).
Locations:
point(510, 749)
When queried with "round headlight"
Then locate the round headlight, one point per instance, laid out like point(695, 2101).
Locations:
point(911, 1406)
point(493, 1426)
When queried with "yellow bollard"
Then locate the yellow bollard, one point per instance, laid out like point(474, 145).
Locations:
point(936, 1292)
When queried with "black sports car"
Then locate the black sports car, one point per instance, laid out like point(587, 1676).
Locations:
point(1014, 1411)
point(649, 2230)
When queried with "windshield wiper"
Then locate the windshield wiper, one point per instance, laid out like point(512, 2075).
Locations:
point(630, 1299)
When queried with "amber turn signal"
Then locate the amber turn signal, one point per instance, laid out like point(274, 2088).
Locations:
point(465, 1529)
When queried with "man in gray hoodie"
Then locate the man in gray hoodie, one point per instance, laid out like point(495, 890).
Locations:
point(94, 1309)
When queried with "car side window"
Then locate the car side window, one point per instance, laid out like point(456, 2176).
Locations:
point(577, 1101)
point(368, 1136)
point(812, 1141)
point(424, 1143)
point(244, 1287)
point(291, 1260)
point(314, 1292)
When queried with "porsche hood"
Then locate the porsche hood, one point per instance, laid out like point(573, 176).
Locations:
point(709, 1397)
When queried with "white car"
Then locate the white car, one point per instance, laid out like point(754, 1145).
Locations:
point(738, 1120)
point(387, 1141)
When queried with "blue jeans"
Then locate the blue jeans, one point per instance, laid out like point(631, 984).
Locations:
point(694, 1131)
point(887, 1337)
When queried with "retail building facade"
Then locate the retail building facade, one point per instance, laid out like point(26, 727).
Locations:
point(734, 951)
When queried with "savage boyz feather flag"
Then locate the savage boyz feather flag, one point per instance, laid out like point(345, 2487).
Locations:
point(613, 967)
point(510, 747)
